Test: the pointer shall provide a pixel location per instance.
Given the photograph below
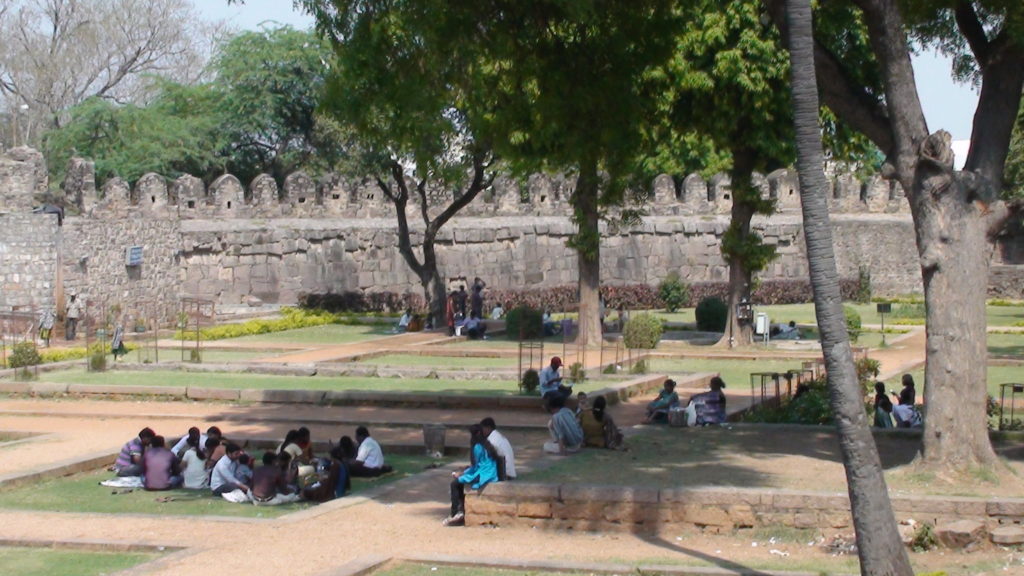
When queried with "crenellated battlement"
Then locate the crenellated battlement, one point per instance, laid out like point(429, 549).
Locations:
point(337, 196)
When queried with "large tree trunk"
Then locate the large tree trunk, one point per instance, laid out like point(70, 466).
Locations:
point(878, 542)
point(588, 253)
point(434, 294)
point(953, 244)
point(740, 274)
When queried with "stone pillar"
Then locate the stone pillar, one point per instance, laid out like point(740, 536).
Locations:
point(720, 193)
point(334, 193)
point(695, 195)
point(151, 194)
point(227, 195)
point(664, 191)
point(299, 197)
point(80, 184)
point(22, 176)
point(191, 195)
point(263, 196)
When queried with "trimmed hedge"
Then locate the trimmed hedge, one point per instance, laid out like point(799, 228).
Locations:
point(292, 319)
point(642, 331)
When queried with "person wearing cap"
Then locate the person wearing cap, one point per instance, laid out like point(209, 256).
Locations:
point(551, 382)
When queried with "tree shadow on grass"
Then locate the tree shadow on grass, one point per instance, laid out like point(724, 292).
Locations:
point(714, 560)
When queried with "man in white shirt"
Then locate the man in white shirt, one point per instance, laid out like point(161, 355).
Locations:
point(182, 445)
point(225, 478)
point(507, 457)
point(369, 461)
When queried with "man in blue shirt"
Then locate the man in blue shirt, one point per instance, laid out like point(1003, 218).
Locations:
point(551, 382)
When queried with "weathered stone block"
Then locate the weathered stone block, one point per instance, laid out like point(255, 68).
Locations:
point(534, 509)
point(196, 393)
point(960, 534)
point(1008, 535)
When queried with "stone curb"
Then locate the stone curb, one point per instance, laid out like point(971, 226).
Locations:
point(62, 468)
point(131, 390)
point(358, 567)
point(564, 566)
point(89, 545)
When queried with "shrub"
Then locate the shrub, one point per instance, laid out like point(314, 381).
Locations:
point(98, 362)
point(642, 331)
point(867, 372)
point(530, 381)
point(524, 323)
point(863, 285)
point(924, 538)
point(24, 354)
point(810, 407)
point(674, 293)
point(638, 367)
point(909, 311)
point(712, 314)
point(852, 322)
point(577, 373)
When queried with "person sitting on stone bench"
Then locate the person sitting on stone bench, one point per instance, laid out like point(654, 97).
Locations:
point(657, 410)
point(474, 328)
point(710, 405)
point(482, 470)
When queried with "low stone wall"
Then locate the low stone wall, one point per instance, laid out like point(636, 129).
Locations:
point(649, 510)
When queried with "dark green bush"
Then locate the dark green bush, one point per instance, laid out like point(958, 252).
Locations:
point(642, 331)
point(524, 323)
point(673, 292)
point(639, 367)
point(863, 285)
point(810, 407)
point(98, 362)
point(712, 314)
point(24, 354)
point(852, 322)
point(530, 381)
point(577, 373)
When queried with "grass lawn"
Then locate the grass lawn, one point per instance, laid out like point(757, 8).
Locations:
point(208, 356)
point(996, 375)
point(266, 382)
point(56, 562)
point(443, 362)
point(327, 334)
point(797, 457)
point(804, 314)
point(1006, 344)
point(82, 493)
point(736, 373)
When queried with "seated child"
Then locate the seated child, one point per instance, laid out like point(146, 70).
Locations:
point(657, 410)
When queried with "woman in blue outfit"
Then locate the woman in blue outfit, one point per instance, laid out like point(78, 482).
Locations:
point(483, 470)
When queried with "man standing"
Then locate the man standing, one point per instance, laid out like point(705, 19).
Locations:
point(476, 299)
point(71, 315)
point(551, 382)
point(506, 456)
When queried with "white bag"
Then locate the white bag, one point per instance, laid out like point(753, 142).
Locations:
point(691, 414)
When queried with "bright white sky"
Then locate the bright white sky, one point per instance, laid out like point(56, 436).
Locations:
point(946, 105)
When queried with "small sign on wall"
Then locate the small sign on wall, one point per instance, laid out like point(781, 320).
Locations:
point(133, 256)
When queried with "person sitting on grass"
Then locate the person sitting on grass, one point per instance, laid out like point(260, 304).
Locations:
point(657, 410)
point(369, 460)
point(403, 322)
point(270, 482)
point(599, 430)
point(215, 451)
point(195, 475)
point(160, 466)
point(474, 328)
point(225, 478)
point(482, 470)
point(506, 456)
point(182, 445)
point(883, 407)
point(710, 405)
point(129, 461)
point(566, 434)
point(331, 481)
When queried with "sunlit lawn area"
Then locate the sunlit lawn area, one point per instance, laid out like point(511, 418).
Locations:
point(56, 562)
point(1006, 344)
point(443, 362)
point(736, 373)
point(804, 314)
point(791, 457)
point(996, 375)
point(327, 334)
point(82, 493)
point(207, 355)
point(265, 382)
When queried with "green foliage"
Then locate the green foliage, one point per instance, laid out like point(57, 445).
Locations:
point(924, 538)
point(1014, 186)
point(524, 323)
point(97, 362)
point(257, 114)
point(867, 371)
point(673, 292)
point(909, 311)
point(863, 285)
point(811, 407)
point(24, 354)
point(293, 318)
point(577, 372)
point(530, 381)
point(853, 323)
point(642, 331)
point(639, 367)
point(711, 314)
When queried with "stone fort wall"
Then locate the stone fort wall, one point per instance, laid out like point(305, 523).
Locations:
point(230, 242)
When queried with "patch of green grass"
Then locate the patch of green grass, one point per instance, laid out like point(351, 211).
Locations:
point(1006, 344)
point(57, 562)
point(208, 356)
point(736, 373)
point(82, 493)
point(327, 334)
point(996, 375)
point(266, 382)
point(443, 362)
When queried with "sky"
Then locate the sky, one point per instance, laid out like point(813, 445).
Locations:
point(947, 105)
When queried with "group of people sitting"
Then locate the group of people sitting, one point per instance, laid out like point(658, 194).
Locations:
point(289, 473)
point(703, 409)
point(903, 413)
